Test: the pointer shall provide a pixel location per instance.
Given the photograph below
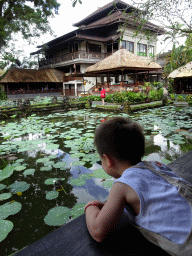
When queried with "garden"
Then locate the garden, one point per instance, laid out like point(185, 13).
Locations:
point(49, 167)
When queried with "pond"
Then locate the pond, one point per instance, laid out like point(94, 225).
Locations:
point(37, 151)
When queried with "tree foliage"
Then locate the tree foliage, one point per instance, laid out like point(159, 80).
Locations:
point(177, 58)
point(173, 15)
point(30, 17)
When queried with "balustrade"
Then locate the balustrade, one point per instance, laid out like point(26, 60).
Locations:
point(71, 56)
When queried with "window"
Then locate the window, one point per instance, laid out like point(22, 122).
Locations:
point(128, 45)
point(94, 48)
point(142, 49)
point(151, 51)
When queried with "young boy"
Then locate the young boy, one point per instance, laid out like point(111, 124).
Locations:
point(149, 192)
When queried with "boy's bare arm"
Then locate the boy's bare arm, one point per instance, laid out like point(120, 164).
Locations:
point(101, 220)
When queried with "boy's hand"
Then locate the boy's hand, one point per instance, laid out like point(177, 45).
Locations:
point(99, 204)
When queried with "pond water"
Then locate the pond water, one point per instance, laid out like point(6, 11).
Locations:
point(37, 151)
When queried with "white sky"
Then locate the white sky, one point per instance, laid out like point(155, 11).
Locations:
point(68, 15)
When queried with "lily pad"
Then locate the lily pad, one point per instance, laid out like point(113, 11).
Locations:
point(100, 173)
point(9, 209)
point(5, 227)
point(108, 183)
point(60, 164)
point(77, 182)
point(29, 171)
point(20, 186)
point(57, 216)
point(85, 176)
point(52, 146)
point(5, 196)
point(51, 181)
point(46, 168)
point(20, 168)
point(52, 195)
point(77, 210)
point(2, 186)
point(42, 160)
point(78, 163)
point(7, 172)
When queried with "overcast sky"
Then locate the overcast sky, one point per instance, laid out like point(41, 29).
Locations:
point(63, 23)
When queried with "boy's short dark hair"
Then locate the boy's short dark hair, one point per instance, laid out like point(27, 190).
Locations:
point(121, 138)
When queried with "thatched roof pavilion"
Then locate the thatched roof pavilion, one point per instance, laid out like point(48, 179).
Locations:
point(184, 71)
point(182, 78)
point(16, 75)
point(123, 60)
point(32, 79)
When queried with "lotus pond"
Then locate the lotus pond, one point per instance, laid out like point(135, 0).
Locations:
point(37, 151)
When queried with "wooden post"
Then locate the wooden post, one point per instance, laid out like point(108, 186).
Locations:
point(63, 90)
point(136, 77)
point(75, 88)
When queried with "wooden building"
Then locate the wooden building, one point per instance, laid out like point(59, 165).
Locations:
point(32, 81)
point(96, 37)
point(182, 79)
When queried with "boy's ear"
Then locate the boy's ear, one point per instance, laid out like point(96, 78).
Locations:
point(110, 160)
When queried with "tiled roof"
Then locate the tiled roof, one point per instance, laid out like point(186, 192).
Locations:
point(102, 11)
point(119, 17)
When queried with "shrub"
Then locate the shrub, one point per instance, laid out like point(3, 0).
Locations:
point(3, 95)
point(172, 96)
point(160, 94)
point(180, 98)
point(188, 98)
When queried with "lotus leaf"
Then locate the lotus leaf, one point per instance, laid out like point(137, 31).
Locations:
point(77, 210)
point(20, 168)
point(42, 160)
point(108, 183)
point(2, 186)
point(78, 163)
point(52, 195)
point(5, 196)
point(49, 163)
point(5, 227)
point(52, 156)
point(100, 173)
point(19, 186)
point(46, 168)
point(60, 164)
point(29, 171)
point(7, 172)
point(9, 209)
point(52, 146)
point(77, 182)
point(85, 176)
point(51, 181)
point(19, 160)
point(57, 216)
point(77, 155)
point(179, 142)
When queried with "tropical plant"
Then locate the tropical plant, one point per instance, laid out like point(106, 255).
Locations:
point(3, 95)
point(172, 96)
point(180, 98)
point(30, 17)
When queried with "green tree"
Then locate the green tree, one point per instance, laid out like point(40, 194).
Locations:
point(10, 60)
point(30, 17)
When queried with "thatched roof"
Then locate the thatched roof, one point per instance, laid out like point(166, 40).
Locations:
point(123, 60)
point(184, 71)
point(16, 75)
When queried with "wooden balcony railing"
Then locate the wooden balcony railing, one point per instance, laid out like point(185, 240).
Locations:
point(73, 56)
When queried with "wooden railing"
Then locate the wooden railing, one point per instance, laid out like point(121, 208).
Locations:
point(71, 56)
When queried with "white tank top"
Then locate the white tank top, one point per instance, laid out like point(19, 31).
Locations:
point(162, 209)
